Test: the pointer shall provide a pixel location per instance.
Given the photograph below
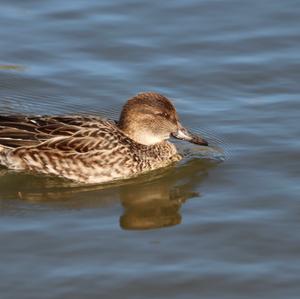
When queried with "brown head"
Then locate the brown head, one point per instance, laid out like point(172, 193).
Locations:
point(150, 118)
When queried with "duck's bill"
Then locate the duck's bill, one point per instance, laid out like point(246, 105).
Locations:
point(183, 134)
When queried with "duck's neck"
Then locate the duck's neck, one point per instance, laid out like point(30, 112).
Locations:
point(144, 138)
point(159, 151)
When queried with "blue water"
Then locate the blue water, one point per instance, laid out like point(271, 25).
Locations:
point(199, 229)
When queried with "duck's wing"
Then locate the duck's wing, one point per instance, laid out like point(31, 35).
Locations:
point(18, 130)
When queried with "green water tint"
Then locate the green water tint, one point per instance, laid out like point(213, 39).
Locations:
point(11, 67)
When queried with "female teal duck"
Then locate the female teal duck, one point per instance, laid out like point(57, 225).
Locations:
point(88, 149)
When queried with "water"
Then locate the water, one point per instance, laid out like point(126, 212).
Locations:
point(201, 229)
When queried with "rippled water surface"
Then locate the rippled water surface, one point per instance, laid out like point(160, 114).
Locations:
point(201, 229)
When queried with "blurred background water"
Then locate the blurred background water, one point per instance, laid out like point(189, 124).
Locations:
point(201, 229)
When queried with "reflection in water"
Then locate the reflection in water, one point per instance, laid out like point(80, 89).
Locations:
point(149, 201)
point(152, 205)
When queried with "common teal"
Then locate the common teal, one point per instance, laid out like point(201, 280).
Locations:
point(88, 149)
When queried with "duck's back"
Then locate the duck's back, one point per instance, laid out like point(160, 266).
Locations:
point(20, 130)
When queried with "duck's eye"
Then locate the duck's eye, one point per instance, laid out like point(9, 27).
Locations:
point(163, 114)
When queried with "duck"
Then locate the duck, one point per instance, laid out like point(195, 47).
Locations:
point(89, 149)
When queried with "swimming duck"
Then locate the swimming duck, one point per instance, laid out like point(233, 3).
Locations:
point(89, 149)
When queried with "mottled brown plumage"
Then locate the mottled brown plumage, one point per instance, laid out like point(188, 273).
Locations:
point(89, 149)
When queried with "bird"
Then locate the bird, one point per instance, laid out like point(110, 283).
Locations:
point(89, 149)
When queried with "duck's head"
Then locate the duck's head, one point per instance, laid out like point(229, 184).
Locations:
point(149, 118)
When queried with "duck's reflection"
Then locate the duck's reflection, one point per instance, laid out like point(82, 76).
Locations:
point(151, 201)
point(151, 205)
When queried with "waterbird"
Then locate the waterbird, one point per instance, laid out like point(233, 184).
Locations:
point(89, 149)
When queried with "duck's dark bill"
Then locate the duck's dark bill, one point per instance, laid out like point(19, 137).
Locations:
point(184, 134)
